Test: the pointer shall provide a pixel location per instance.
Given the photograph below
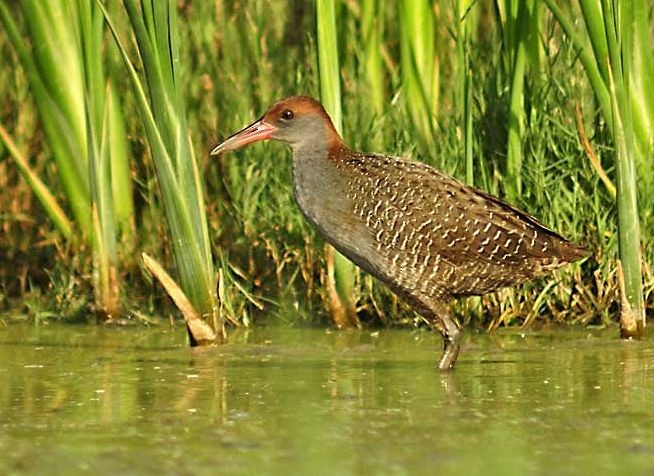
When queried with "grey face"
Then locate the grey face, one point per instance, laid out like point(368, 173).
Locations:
point(300, 130)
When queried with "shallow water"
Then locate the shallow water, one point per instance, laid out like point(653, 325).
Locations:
point(94, 400)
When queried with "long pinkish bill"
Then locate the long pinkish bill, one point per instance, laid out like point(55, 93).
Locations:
point(257, 131)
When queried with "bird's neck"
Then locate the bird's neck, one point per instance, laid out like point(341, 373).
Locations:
point(310, 166)
point(317, 155)
point(318, 185)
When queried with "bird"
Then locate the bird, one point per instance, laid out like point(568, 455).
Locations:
point(427, 236)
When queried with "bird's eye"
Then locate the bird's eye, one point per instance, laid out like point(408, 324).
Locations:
point(287, 115)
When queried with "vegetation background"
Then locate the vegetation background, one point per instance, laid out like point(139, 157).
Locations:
point(104, 149)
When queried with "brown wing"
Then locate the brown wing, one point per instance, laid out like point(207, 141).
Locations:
point(435, 232)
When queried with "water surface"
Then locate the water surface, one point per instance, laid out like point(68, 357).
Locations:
point(97, 400)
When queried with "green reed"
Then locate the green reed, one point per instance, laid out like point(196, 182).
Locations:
point(42, 192)
point(237, 57)
point(419, 68)
point(464, 16)
point(341, 273)
point(72, 95)
point(161, 104)
point(372, 30)
point(520, 27)
point(616, 59)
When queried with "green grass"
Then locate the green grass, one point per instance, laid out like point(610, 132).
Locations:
point(613, 49)
point(162, 107)
point(405, 90)
point(61, 54)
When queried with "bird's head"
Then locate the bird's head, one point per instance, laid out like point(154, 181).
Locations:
point(297, 120)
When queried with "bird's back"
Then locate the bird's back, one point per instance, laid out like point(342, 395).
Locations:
point(424, 232)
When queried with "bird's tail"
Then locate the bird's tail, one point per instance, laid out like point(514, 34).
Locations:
point(566, 252)
point(570, 252)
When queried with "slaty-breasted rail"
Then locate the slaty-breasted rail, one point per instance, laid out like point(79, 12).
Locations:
point(427, 236)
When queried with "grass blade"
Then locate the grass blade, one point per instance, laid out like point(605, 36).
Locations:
point(155, 31)
point(419, 68)
point(42, 192)
point(341, 273)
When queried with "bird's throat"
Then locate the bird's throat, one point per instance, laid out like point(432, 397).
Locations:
point(319, 186)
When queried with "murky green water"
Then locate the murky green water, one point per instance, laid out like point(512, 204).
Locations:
point(89, 400)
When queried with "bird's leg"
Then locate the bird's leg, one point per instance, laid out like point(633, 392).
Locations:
point(451, 343)
point(451, 332)
point(437, 312)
